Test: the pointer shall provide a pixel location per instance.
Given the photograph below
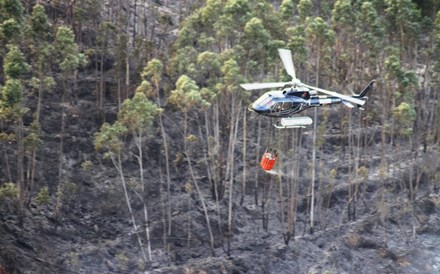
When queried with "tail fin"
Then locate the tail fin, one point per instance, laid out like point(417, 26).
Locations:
point(366, 89)
point(364, 92)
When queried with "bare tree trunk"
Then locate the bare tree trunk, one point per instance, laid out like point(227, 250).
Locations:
point(144, 193)
point(118, 165)
point(234, 131)
point(196, 184)
point(243, 186)
point(208, 158)
point(20, 170)
point(257, 160)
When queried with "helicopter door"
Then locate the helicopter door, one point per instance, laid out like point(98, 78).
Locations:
point(282, 106)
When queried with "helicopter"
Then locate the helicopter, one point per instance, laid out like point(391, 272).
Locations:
point(296, 96)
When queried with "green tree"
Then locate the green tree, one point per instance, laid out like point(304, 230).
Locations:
point(109, 140)
point(11, 19)
point(39, 36)
point(321, 37)
point(287, 9)
point(69, 60)
point(187, 96)
point(403, 16)
point(15, 65)
point(153, 70)
point(137, 115)
point(304, 9)
point(12, 93)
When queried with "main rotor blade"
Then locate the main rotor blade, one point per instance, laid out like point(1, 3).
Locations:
point(286, 57)
point(252, 86)
point(343, 97)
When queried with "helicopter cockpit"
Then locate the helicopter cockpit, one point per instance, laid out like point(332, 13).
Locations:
point(275, 103)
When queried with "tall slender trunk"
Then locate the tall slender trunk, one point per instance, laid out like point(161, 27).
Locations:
point(20, 170)
point(234, 131)
point(243, 186)
point(167, 162)
point(144, 193)
point(196, 184)
point(118, 164)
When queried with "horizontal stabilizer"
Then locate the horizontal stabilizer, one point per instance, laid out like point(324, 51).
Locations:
point(347, 104)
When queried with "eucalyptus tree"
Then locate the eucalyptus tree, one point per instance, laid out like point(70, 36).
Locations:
point(305, 9)
point(109, 139)
point(39, 35)
point(320, 37)
point(106, 30)
point(404, 26)
point(209, 65)
point(287, 10)
point(436, 78)
point(153, 70)
point(69, 60)
point(347, 58)
point(15, 66)
point(230, 85)
point(11, 22)
point(137, 115)
point(187, 96)
point(235, 15)
point(345, 48)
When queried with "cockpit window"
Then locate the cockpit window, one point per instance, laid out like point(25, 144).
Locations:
point(265, 101)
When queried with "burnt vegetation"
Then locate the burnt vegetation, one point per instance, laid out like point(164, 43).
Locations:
point(126, 144)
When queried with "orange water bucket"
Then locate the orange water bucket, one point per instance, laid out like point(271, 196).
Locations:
point(268, 160)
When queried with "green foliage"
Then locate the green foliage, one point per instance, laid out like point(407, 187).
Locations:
point(9, 30)
point(11, 9)
point(404, 78)
point(191, 138)
point(187, 94)
point(8, 190)
point(319, 31)
point(403, 15)
point(405, 116)
point(370, 29)
point(67, 49)
point(39, 24)
point(11, 18)
point(153, 69)
point(12, 93)
point(48, 82)
point(231, 76)
point(208, 66)
point(305, 9)
point(33, 138)
point(254, 31)
point(145, 88)
point(109, 138)
point(287, 9)
point(15, 64)
point(183, 62)
point(4, 137)
point(342, 15)
point(43, 197)
point(137, 114)
point(86, 165)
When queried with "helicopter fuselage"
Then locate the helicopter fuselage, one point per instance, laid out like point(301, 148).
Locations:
point(287, 102)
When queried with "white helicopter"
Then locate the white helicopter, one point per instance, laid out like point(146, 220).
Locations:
point(296, 96)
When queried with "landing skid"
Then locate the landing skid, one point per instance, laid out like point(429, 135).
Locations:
point(294, 122)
